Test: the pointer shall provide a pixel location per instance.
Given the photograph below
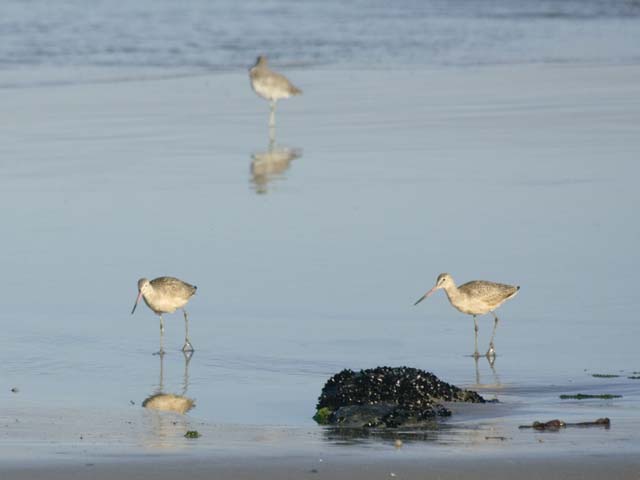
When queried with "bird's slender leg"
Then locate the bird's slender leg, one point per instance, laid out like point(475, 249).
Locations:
point(272, 114)
point(475, 324)
point(187, 347)
point(161, 351)
point(492, 351)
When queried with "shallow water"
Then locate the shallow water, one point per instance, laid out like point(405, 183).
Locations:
point(493, 140)
point(164, 38)
point(527, 178)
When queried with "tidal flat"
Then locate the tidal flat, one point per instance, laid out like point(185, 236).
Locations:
point(524, 174)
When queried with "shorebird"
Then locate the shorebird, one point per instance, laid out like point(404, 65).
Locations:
point(475, 298)
point(270, 85)
point(166, 295)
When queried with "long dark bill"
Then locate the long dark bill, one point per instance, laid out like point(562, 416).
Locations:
point(425, 296)
point(420, 299)
point(136, 304)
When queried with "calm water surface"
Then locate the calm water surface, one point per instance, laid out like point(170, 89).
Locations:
point(524, 175)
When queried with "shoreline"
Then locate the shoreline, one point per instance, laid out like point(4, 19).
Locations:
point(29, 77)
point(35, 439)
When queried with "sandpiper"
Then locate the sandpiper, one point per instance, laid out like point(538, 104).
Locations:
point(270, 85)
point(166, 295)
point(475, 298)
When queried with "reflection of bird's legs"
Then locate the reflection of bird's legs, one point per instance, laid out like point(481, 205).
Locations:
point(161, 351)
point(272, 114)
point(161, 381)
point(492, 361)
point(272, 137)
point(475, 359)
point(187, 359)
point(475, 325)
point(187, 347)
point(491, 353)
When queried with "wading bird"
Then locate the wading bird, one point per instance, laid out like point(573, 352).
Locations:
point(166, 295)
point(475, 298)
point(270, 85)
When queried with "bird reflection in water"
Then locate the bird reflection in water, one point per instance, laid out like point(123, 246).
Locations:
point(496, 379)
point(271, 164)
point(170, 402)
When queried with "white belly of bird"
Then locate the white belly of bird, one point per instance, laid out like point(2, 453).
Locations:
point(270, 91)
point(163, 305)
point(474, 307)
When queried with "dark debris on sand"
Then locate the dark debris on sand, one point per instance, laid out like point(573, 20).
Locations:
point(557, 424)
point(387, 397)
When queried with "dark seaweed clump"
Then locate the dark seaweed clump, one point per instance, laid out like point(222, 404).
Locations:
point(387, 397)
point(585, 396)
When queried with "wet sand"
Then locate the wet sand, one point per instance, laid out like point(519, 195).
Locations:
point(482, 442)
point(115, 148)
point(479, 439)
point(343, 467)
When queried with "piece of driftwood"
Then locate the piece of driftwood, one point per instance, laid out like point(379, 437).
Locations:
point(558, 424)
